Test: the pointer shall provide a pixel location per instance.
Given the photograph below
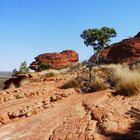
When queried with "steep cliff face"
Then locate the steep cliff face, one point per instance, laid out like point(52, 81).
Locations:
point(126, 51)
point(56, 60)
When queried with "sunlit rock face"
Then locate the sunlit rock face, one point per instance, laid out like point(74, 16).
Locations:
point(126, 51)
point(56, 60)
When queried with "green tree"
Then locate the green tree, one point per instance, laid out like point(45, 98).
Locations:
point(98, 38)
point(22, 69)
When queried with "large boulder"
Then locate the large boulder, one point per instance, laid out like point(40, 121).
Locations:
point(126, 51)
point(55, 60)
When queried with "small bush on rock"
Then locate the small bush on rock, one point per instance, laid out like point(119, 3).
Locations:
point(44, 66)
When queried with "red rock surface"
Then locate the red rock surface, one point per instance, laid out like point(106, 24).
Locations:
point(42, 110)
point(126, 51)
point(57, 60)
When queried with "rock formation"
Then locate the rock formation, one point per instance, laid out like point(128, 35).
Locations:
point(55, 60)
point(126, 51)
point(15, 82)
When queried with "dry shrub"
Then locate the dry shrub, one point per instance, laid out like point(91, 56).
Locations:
point(51, 74)
point(97, 84)
point(84, 74)
point(136, 67)
point(126, 80)
point(72, 83)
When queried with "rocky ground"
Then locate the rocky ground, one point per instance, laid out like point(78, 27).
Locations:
point(42, 110)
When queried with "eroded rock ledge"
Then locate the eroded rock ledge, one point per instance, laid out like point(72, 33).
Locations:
point(55, 60)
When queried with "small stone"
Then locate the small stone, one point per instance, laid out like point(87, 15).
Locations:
point(29, 113)
point(20, 95)
point(53, 98)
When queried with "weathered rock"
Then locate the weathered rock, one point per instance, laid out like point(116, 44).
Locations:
point(126, 51)
point(63, 113)
point(55, 60)
point(18, 81)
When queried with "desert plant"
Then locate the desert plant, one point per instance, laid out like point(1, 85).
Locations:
point(128, 86)
point(15, 72)
point(75, 67)
point(98, 38)
point(44, 66)
point(97, 84)
point(72, 83)
point(136, 67)
point(51, 74)
point(22, 69)
point(126, 81)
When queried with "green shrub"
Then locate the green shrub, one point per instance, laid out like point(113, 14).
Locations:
point(23, 69)
point(44, 66)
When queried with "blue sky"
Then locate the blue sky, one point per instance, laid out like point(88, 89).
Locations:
point(31, 27)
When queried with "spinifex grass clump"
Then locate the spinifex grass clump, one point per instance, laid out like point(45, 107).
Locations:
point(126, 80)
point(72, 83)
point(97, 84)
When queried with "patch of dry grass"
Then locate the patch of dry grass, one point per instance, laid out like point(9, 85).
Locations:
point(72, 83)
point(136, 67)
point(126, 80)
point(98, 84)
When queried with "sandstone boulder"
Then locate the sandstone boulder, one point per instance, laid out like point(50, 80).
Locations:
point(126, 51)
point(55, 60)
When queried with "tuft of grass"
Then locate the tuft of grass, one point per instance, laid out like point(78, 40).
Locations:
point(136, 67)
point(129, 84)
point(97, 84)
point(72, 83)
point(51, 74)
point(126, 80)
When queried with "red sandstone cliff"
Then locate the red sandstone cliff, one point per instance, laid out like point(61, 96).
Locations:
point(127, 51)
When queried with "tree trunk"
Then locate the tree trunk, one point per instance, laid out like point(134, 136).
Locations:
point(98, 53)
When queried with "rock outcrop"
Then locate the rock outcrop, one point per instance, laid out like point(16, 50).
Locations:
point(18, 81)
point(126, 51)
point(52, 113)
point(55, 60)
